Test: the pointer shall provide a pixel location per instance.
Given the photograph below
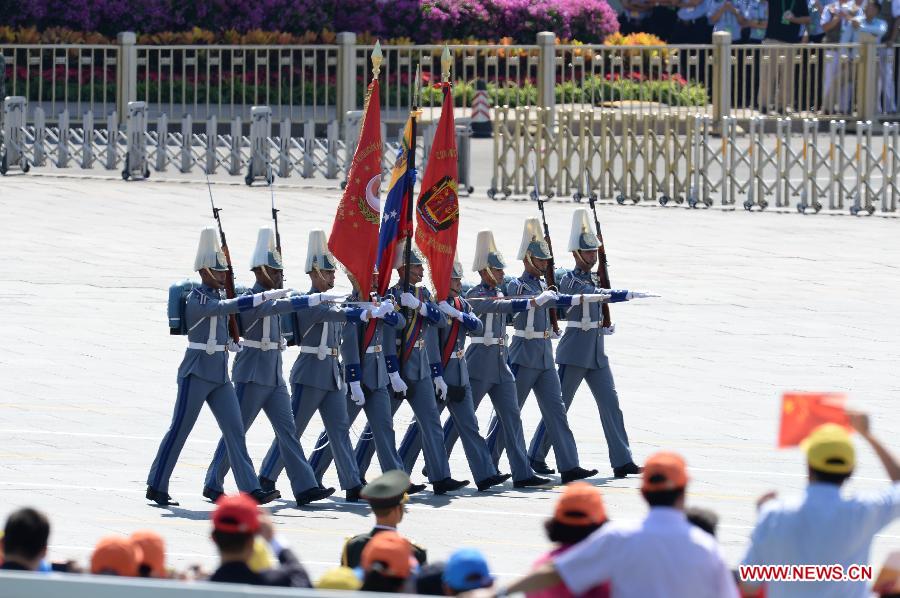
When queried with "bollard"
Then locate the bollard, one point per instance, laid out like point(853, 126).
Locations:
point(259, 165)
point(162, 143)
point(40, 137)
point(331, 159)
point(136, 165)
point(481, 112)
point(62, 141)
point(187, 132)
point(13, 123)
point(112, 141)
point(237, 142)
point(284, 152)
point(309, 148)
point(87, 141)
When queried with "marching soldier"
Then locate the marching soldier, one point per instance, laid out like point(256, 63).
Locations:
point(531, 352)
point(362, 350)
point(487, 360)
point(418, 381)
point(317, 380)
point(449, 344)
point(387, 496)
point(203, 376)
point(580, 353)
point(258, 377)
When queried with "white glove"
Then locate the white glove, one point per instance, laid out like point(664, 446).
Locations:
point(259, 299)
point(440, 388)
point(356, 394)
point(397, 383)
point(365, 315)
point(233, 347)
point(576, 300)
point(382, 310)
point(275, 294)
point(317, 298)
point(597, 298)
point(608, 331)
point(556, 335)
point(409, 300)
point(450, 310)
point(639, 295)
point(545, 297)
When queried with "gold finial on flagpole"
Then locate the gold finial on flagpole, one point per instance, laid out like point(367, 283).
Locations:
point(445, 64)
point(377, 59)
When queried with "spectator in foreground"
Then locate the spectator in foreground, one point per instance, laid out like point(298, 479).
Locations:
point(339, 578)
point(236, 522)
point(703, 518)
point(153, 549)
point(579, 513)
point(116, 555)
point(466, 570)
point(821, 527)
point(388, 563)
point(24, 543)
point(430, 579)
point(663, 555)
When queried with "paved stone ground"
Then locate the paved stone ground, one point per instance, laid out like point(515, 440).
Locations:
point(752, 305)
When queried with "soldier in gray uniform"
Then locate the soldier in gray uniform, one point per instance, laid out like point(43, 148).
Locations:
point(448, 344)
point(417, 382)
point(531, 352)
point(258, 377)
point(487, 359)
point(580, 352)
point(203, 376)
point(317, 380)
point(362, 350)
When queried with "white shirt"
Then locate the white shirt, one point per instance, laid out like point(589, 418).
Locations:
point(820, 528)
point(663, 555)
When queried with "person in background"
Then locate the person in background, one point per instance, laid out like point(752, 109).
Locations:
point(579, 513)
point(236, 523)
point(822, 527)
point(724, 16)
point(776, 79)
point(703, 518)
point(635, 16)
point(887, 56)
point(466, 570)
point(24, 541)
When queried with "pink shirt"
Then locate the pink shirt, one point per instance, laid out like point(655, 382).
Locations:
point(560, 590)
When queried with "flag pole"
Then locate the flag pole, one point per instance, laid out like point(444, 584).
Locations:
point(410, 166)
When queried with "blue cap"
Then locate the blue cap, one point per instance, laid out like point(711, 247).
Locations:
point(467, 569)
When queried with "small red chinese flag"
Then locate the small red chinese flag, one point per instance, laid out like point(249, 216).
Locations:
point(354, 235)
point(803, 412)
point(437, 210)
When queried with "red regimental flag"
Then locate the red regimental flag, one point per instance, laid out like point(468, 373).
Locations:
point(354, 235)
point(803, 412)
point(437, 209)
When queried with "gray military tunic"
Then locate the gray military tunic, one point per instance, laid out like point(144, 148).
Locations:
point(416, 372)
point(461, 407)
point(259, 383)
point(489, 374)
point(531, 362)
point(203, 378)
point(580, 356)
point(366, 364)
point(317, 384)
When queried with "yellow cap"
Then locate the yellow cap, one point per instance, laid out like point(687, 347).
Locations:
point(262, 556)
point(829, 449)
point(340, 578)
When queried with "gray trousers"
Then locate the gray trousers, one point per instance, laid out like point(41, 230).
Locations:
point(276, 402)
point(424, 405)
point(506, 406)
point(332, 406)
point(604, 390)
point(381, 423)
point(463, 414)
point(192, 393)
point(545, 384)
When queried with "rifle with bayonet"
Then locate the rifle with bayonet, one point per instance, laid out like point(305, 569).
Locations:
point(233, 330)
point(550, 272)
point(602, 264)
point(275, 211)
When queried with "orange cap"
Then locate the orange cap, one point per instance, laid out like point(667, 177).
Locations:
point(237, 514)
point(388, 553)
point(580, 504)
point(664, 471)
point(154, 549)
point(117, 556)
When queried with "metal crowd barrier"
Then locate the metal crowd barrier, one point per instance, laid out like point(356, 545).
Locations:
point(791, 164)
point(138, 149)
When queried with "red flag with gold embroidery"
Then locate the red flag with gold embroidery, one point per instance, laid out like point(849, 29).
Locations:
point(803, 412)
point(354, 235)
point(437, 210)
